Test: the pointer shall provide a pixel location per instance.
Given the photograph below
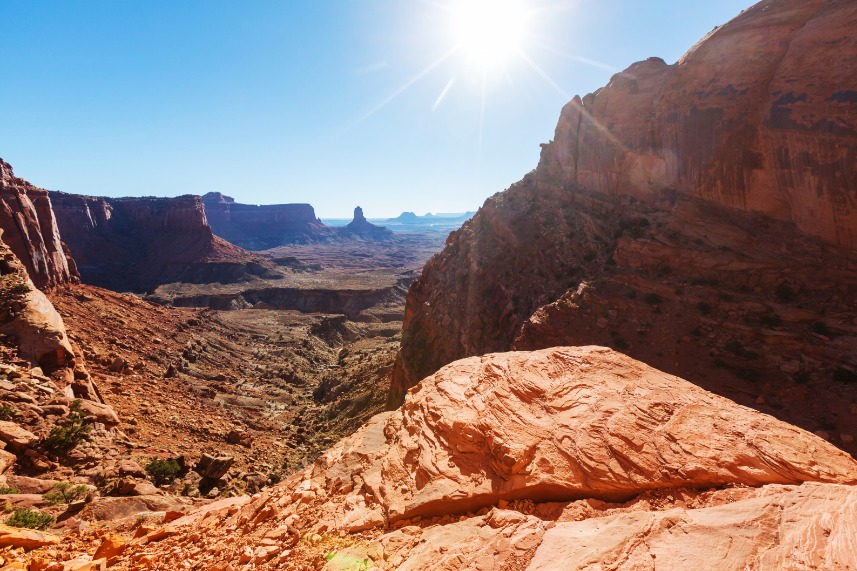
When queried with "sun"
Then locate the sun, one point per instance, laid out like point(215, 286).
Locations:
point(489, 33)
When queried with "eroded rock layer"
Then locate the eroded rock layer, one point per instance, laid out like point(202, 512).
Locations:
point(500, 461)
point(30, 230)
point(135, 244)
point(761, 115)
point(261, 227)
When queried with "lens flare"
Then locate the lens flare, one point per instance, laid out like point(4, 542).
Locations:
point(489, 32)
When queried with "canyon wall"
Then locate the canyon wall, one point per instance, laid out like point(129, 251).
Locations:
point(761, 115)
point(262, 227)
point(682, 269)
point(30, 230)
point(135, 244)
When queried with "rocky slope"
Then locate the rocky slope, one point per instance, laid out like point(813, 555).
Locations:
point(740, 302)
point(508, 460)
point(135, 244)
point(761, 115)
point(31, 231)
point(262, 227)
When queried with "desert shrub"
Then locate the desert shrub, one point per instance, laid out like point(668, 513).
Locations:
point(65, 493)
point(9, 490)
point(21, 288)
point(30, 519)
point(771, 320)
point(703, 308)
point(69, 431)
point(162, 471)
point(652, 299)
point(7, 412)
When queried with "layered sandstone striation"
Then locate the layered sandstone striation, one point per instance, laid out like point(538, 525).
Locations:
point(135, 244)
point(760, 115)
point(510, 459)
point(30, 230)
point(261, 227)
point(677, 272)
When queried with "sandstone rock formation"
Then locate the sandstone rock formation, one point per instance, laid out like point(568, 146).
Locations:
point(135, 244)
point(360, 228)
point(760, 115)
point(537, 445)
point(263, 227)
point(29, 317)
point(705, 284)
point(31, 231)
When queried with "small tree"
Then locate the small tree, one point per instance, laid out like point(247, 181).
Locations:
point(69, 431)
point(30, 519)
point(163, 471)
point(65, 493)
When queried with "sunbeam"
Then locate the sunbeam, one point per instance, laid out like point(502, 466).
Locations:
point(442, 95)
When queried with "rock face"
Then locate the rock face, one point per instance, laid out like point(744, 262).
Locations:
point(360, 228)
point(135, 244)
point(730, 296)
point(29, 316)
point(539, 443)
point(267, 226)
point(30, 230)
point(761, 115)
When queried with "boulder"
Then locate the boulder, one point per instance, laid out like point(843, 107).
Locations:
point(7, 460)
point(15, 437)
point(214, 467)
point(101, 412)
point(26, 538)
point(112, 545)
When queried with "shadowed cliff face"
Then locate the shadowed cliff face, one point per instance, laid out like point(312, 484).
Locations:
point(263, 227)
point(30, 230)
point(761, 115)
point(677, 267)
point(138, 243)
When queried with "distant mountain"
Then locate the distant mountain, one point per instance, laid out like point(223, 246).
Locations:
point(412, 218)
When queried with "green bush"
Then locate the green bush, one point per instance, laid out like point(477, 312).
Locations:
point(30, 519)
point(71, 430)
point(65, 493)
point(9, 490)
point(162, 471)
point(7, 412)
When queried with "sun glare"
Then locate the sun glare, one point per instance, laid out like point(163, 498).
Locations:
point(489, 32)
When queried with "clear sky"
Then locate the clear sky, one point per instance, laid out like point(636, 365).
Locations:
point(389, 104)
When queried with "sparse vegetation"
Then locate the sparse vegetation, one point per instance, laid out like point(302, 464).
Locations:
point(771, 320)
point(703, 308)
point(653, 299)
point(162, 471)
point(9, 490)
point(30, 519)
point(69, 432)
point(7, 412)
point(65, 493)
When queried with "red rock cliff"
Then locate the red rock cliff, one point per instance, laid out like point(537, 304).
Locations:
point(740, 302)
point(30, 230)
point(760, 115)
point(260, 227)
point(138, 243)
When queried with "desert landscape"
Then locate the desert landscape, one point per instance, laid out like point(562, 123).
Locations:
point(640, 356)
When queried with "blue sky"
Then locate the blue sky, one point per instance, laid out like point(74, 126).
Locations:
point(332, 102)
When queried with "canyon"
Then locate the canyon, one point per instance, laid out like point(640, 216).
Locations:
point(641, 356)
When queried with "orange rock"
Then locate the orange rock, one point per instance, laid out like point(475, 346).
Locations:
point(26, 538)
point(111, 546)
